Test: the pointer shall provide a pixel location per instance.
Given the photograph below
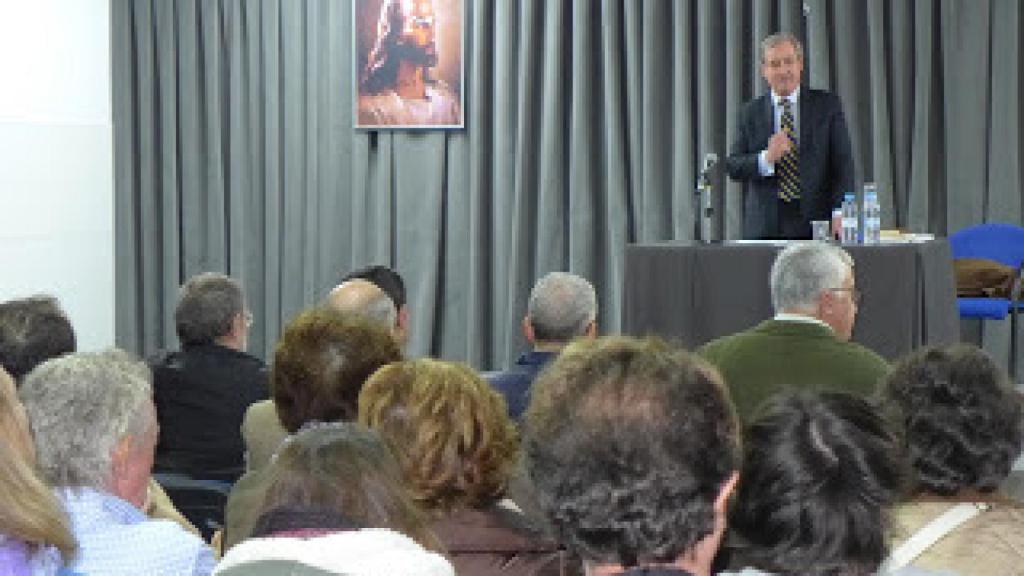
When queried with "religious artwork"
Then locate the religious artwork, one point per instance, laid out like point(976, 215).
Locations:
point(409, 64)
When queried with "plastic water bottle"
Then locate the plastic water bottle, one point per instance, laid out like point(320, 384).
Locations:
point(850, 218)
point(872, 214)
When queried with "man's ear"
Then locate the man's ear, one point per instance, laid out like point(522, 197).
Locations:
point(528, 330)
point(591, 330)
point(403, 318)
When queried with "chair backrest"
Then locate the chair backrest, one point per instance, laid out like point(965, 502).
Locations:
point(996, 241)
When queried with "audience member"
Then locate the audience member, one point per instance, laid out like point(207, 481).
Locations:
point(202, 390)
point(819, 472)
point(320, 364)
point(962, 424)
point(634, 450)
point(34, 534)
point(391, 283)
point(335, 502)
point(95, 431)
point(262, 431)
point(562, 307)
point(806, 345)
point(457, 448)
point(32, 330)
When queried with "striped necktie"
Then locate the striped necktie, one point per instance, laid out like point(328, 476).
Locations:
point(789, 165)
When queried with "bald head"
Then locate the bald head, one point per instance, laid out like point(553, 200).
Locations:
point(364, 298)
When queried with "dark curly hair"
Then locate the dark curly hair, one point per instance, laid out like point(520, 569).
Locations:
point(450, 430)
point(629, 443)
point(321, 363)
point(959, 415)
point(819, 471)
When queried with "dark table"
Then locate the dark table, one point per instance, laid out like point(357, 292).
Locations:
point(694, 293)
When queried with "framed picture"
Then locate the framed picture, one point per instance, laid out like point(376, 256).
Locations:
point(409, 64)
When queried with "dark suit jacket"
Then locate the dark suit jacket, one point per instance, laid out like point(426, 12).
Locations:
point(514, 384)
point(826, 165)
point(201, 393)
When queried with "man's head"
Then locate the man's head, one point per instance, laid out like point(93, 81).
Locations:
point(211, 310)
point(321, 362)
point(816, 279)
point(633, 447)
point(32, 330)
point(961, 419)
point(391, 283)
point(562, 307)
point(405, 32)
point(94, 424)
point(782, 62)
point(363, 298)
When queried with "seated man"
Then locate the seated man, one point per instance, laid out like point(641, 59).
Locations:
point(95, 431)
point(320, 364)
point(562, 307)
point(806, 345)
point(634, 450)
point(391, 284)
point(202, 391)
point(261, 429)
point(32, 330)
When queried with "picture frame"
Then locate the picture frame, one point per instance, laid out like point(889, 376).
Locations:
point(408, 69)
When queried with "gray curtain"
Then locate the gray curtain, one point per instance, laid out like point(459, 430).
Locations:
point(234, 146)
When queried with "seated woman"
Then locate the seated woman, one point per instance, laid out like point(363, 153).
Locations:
point(819, 472)
point(457, 447)
point(34, 533)
point(961, 421)
point(336, 504)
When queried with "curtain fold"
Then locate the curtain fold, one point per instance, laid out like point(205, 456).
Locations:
point(586, 124)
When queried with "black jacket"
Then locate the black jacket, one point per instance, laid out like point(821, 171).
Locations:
point(201, 394)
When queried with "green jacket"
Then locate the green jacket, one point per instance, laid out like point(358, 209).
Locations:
point(779, 355)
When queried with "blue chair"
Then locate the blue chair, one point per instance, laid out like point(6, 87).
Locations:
point(1003, 243)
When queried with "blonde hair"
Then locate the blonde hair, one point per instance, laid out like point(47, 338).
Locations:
point(448, 428)
point(13, 423)
point(28, 509)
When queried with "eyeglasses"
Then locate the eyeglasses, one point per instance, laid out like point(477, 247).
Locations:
point(855, 294)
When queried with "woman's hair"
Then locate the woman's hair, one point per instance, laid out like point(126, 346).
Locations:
point(321, 362)
point(338, 475)
point(959, 416)
point(14, 431)
point(28, 509)
point(449, 429)
point(819, 472)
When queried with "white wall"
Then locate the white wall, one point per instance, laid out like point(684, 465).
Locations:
point(56, 159)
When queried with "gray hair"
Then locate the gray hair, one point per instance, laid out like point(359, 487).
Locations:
point(80, 406)
point(803, 270)
point(207, 305)
point(781, 38)
point(380, 308)
point(561, 307)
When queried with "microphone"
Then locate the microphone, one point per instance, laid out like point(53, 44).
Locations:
point(710, 159)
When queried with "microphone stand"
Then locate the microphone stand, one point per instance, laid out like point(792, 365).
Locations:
point(703, 210)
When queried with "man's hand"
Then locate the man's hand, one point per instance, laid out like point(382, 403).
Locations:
point(778, 145)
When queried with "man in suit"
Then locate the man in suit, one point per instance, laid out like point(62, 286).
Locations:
point(806, 345)
point(562, 307)
point(792, 150)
